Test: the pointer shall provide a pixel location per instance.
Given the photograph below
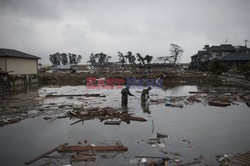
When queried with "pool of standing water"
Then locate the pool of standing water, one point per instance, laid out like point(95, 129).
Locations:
point(210, 130)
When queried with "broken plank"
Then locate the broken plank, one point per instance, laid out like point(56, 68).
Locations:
point(241, 158)
point(80, 148)
point(44, 154)
point(134, 118)
point(81, 120)
point(77, 95)
point(219, 103)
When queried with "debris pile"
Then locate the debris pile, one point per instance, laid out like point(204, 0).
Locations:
point(106, 113)
point(79, 153)
point(9, 121)
point(219, 99)
point(238, 159)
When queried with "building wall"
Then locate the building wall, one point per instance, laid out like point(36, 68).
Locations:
point(2, 64)
point(218, 55)
point(22, 66)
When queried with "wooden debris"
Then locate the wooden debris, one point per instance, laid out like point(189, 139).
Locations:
point(159, 135)
point(219, 103)
point(72, 113)
point(80, 148)
point(193, 99)
point(45, 154)
point(78, 121)
point(10, 121)
point(103, 114)
point(237, 160)
point(77, 95)
point(134, 118)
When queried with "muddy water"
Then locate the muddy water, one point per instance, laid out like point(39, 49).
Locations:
point(209, 130)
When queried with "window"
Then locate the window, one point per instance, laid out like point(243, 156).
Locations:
point(219, 54)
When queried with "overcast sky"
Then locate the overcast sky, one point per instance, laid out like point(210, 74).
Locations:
point(144, 26)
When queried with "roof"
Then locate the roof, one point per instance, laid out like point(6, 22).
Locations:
point(236, 56)
point(223, 47)
point(241, 48)
point(195, 55)
point(17, 54)
point(202, 52)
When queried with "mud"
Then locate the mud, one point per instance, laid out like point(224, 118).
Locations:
point(184, 78)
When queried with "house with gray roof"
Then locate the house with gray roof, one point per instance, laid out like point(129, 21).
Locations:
point(18, 63)
point(217, 52)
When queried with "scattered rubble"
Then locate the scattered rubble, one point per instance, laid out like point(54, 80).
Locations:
point(79, 153)
point(45, 154)
point(238, 159)
point(214, 98)
point(10, 120)
point(159, 135)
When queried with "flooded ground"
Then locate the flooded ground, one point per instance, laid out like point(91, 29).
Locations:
point(196, 132)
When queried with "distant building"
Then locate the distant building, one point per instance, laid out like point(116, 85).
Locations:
point(200, 57)
point(217, 52)
point(18, 63)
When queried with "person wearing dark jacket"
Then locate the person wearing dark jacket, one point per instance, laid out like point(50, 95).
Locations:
point(145, 95)
point(125, 92)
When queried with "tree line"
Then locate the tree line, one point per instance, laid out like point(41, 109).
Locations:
point(128, 58)
point(65, 59)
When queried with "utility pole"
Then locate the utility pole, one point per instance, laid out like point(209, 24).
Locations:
point(246, 41)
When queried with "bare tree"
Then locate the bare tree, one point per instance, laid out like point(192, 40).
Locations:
point(175, 53)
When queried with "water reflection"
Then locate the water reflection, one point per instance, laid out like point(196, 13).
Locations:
point(145, 108)
point(124, 109)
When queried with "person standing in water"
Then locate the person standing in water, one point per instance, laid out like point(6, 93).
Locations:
point(125, 92)
point(145, 95)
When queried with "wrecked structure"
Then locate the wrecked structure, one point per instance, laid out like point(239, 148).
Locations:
point(17, 68)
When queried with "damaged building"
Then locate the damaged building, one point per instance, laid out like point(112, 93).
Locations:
point(17, 68)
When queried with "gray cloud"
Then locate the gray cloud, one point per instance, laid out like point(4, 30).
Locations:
point(144, 26)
